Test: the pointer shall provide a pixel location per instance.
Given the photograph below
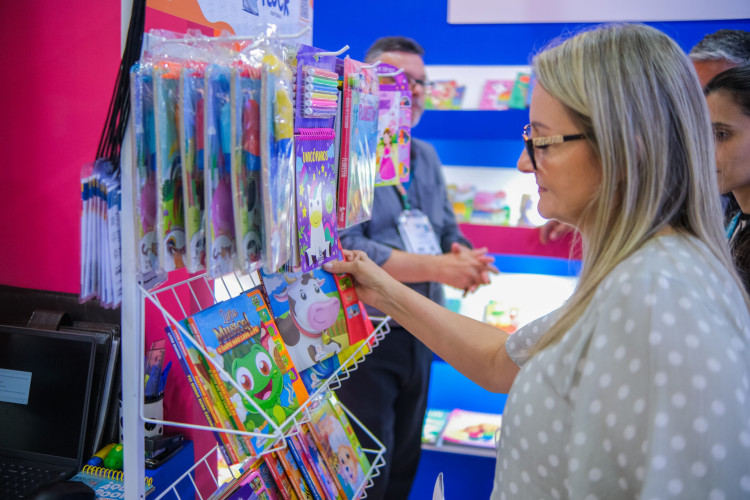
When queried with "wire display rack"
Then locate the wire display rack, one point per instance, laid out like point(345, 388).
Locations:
point(176, 301)
point(374, 456)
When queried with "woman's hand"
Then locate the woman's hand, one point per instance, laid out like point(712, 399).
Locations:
point(371, 282)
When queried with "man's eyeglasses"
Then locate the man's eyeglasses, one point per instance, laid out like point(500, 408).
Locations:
point(413, 82)
point(543, 142)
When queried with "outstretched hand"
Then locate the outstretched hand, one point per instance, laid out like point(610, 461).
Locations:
point(370, 280)
point(465, 268)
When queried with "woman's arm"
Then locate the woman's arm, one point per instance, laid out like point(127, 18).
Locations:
point(474, 348)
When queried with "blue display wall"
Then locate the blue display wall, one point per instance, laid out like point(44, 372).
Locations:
point(357, 24)
point(468, 138)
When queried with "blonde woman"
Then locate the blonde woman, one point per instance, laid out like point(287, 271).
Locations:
point(638, 387)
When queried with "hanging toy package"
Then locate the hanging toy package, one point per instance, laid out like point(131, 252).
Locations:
point(359, 135)
point(394, 127)
point(191, 116)
point(245, 159)
point(144, 158)
point(277, 160)
point(316, 169)
point(170, 221)
point(220, 240)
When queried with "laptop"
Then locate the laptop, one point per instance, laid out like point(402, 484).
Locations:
point(45, 391)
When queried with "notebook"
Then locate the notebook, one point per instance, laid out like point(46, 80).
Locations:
point(45, 389)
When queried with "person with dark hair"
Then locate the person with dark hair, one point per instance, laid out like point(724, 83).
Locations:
point(728, 96)
point(388, 392)
point(720, 51)
point(638, 386)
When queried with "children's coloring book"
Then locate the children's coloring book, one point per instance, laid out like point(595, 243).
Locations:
point(296, 477)
point(170, 222)
point(308, 312)
point(315, 198)
point(496, 94)
point(320, 466)
point(394, 127)
point(472, 428)
point(199, 382)
point(241, 336)
point(339, 444)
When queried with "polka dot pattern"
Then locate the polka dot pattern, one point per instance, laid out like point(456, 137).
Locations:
point(647, 394)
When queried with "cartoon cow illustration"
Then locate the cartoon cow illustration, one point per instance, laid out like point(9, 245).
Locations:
point(319, 246)
point(311, 313)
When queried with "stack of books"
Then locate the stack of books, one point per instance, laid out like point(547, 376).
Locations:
point(461, 431)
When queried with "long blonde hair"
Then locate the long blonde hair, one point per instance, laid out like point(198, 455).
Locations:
point(636, 97)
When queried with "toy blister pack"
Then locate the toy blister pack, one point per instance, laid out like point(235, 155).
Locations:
point(358, 144)
point(144, 157)
point(317, 89)
point(191, 93)
point(170, 221)
point(220, 238)
point(245, 147)
point(277, 160)
point(394, 131)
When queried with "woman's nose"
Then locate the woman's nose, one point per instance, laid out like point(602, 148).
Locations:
point(524, 163)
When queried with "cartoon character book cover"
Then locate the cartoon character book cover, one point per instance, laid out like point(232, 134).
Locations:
point(308, 312)
point(241, 335)
point(315, 198)
point(472, 428)
point(339, 444)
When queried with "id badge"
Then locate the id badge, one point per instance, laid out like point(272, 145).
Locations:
point(417, 233)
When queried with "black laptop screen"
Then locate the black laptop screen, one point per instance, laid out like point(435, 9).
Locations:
point(45, 379)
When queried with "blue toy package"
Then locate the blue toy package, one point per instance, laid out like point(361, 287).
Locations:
point(170, 222)
point(220, 239)
point(277, 162)
point(191, 150)
point(144, 158)
point(245, 164)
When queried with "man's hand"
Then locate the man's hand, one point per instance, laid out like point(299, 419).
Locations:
point(554, 230)
point(465, 268)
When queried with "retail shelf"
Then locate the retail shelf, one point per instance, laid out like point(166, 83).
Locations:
point(178, 300)
point(188, 478)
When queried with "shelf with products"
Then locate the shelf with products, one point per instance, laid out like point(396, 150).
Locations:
point(169, 304)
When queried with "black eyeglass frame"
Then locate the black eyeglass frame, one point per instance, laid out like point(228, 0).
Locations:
point(416, 81)
point(539, 142)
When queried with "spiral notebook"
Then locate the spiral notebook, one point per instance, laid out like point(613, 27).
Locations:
point(45, 389)
point(106, 483)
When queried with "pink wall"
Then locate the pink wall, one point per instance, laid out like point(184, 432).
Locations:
point(59, 67)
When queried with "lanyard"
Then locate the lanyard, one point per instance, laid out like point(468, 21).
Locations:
point(404, 198)
point(732, 225)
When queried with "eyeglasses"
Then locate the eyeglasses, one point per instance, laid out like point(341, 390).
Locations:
point(543, 142)
point(413, 82)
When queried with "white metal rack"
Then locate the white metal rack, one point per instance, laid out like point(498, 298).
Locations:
point(167, 299)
